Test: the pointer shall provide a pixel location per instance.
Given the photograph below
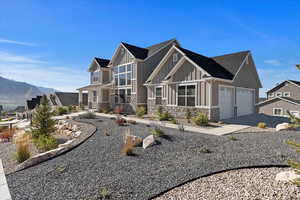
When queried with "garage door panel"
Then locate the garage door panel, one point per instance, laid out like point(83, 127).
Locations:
point(244, 101)
point(226, 102)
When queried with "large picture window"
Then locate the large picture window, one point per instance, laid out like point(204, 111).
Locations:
point(122, 96)
point(123, 74)
point(158, 95)
point(186, 95)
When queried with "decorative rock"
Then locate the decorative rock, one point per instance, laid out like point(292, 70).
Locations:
point(136, 140)
point(283, 126)
point(287, 176)
point(148, 141)
point(77, 134)
point(74, 128)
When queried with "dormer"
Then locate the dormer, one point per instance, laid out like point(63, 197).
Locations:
point(99, 70)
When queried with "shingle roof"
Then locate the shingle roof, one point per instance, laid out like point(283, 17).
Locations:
point(137, 52)
point(67, 98)
point(102, 62)
point(208, 64)
point(231, 62)
point(296, 82)
point(280, 98)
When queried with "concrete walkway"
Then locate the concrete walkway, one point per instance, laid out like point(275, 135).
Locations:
point(226, 129)
point(4, 191)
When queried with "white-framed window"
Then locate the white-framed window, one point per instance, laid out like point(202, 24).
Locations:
point(175, 57)
point(271, 94)
point(95, 76)
point(158, 95)
point(277, 111)
point(123, 96)
point(186, 95)
point(287, 94)
point(123, 74)
point(278, 94)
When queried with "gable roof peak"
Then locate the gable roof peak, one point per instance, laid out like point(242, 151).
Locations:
point(137, 52)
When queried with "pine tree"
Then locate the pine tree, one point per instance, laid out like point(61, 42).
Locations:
point(42, 124)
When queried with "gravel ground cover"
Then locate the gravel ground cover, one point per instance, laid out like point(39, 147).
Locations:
point(8, 149)
point(256, 183)
point(98, 163)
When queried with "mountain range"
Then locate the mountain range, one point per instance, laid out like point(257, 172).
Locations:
point(15, 93)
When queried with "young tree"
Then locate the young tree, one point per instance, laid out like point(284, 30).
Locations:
point(42, 124)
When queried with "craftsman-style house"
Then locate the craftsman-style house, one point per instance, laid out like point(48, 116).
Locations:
point(178, 79)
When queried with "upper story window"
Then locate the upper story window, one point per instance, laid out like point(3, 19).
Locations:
point(175, 57)
point(186, 95)
point(96, 76)
point(271, 94)
point(278, 94)
point(287, 94)
point(122, 74)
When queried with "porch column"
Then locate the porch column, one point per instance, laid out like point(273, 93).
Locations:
point(80, 100)
point(90, 99)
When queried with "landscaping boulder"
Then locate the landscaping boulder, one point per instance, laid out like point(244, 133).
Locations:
point(136, 140)
point(76, 134)
point(148, 141)
point(287, 176)
point(283, 126)
point(74, 128)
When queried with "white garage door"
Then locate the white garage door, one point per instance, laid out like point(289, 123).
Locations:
point(244, 101)
point(226, 102)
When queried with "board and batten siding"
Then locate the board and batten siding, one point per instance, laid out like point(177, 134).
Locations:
point(171, 94)
point(122, 57)
point(187, 72)
point(166, 68)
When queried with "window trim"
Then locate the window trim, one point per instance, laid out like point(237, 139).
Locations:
point(126, 95)
point(271, 94)
point(281, 111)
point(126, 72)
point(277, 94)
point(186, 96)
point(288, 94)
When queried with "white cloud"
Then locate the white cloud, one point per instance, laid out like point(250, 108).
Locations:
point(39, 73)
point(12, 58)
point(2, 40)
point(273, 62)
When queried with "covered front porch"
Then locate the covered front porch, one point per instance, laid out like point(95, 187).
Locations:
point(99, 96)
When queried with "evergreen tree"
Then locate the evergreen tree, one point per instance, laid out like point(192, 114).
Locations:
point(42, 124)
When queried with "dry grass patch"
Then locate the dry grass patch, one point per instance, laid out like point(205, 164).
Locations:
point(262, 125)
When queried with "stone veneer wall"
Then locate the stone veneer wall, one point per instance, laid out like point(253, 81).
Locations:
point(180, 111)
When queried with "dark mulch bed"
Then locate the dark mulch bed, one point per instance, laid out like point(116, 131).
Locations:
point(98, 163)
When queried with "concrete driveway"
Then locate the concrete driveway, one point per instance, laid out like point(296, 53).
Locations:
point(254, 119)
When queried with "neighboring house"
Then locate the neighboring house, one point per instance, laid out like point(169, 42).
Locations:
point(31, 104)
point(58, 99)
point(283, 97)
point(178, 79)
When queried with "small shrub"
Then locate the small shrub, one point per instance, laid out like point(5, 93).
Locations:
point(261, 125)
point(120, 121)
point(188, 115)
point(141, 111)
point(128, 147)
point(131, 122)
point(7, 134)
point(201, 119)
point(45, 143)
point(62, 111)
point(159, 110)
point(81, 106)
point(174, 121)
point(232, 138)
point(71, 109)
point(119, 110)
point(156, 131)
point(104, 194)
point(205, 150)
point(22, 152)
point(88, 115)
point(165, 116)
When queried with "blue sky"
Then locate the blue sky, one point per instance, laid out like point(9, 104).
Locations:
point(51, 43)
